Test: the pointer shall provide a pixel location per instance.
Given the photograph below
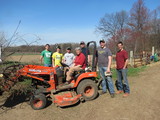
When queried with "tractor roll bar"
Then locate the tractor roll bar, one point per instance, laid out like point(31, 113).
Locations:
point(94, 54)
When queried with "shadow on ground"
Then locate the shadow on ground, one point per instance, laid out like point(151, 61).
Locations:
point(14, 100)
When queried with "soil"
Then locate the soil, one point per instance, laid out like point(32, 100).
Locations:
point(142, 104)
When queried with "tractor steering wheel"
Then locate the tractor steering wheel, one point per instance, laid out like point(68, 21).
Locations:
point(64, 65)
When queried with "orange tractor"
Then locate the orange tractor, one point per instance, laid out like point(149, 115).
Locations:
point(49, 83)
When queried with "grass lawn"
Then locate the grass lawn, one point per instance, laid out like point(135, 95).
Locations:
point(131, 71)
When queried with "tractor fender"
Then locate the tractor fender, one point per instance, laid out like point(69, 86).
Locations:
point(85, 76)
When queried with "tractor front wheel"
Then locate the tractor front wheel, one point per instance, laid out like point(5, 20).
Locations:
point(38, 102)
point(88, 89)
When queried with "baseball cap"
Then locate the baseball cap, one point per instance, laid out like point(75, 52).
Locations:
point(68, 48)
point(58, 47)
point(82, 42)
point(102, 41)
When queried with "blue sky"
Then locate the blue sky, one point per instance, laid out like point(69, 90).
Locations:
point(60, 21)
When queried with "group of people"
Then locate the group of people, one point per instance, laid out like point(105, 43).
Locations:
point(103, 58)
point(104, 64)
point(74, 63)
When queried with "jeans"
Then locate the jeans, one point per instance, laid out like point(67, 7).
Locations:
point(122, 75)
point(48, 65)
point(106, 81)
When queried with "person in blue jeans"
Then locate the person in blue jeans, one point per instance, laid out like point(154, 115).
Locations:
point(121, 63)
point(104, 64)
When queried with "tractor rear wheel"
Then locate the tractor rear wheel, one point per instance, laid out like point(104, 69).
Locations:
point(88, 89)
point(38, 102)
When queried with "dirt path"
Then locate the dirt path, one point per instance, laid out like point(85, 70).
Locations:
point(142, 104)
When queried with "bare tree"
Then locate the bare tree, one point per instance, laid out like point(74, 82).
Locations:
point(14, 39)
point(122, 19)
point(139, 18)
point(155, 31)
point(4, 43)
point(112, 25)
point(2, 39)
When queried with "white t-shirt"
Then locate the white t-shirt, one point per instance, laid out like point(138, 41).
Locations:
point(68, 58)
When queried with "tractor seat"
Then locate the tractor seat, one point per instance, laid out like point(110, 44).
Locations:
point(77, 73)
point(81, 71)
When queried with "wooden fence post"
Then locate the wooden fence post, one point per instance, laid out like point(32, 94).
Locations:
point(131, 58)
point(152, 50)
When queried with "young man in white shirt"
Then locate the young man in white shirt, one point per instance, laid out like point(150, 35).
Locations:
point(68, 57)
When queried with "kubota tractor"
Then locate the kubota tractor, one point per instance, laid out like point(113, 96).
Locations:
point(49, 83)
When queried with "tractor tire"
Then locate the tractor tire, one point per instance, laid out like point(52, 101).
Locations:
point(38, 102)
point(88, 89)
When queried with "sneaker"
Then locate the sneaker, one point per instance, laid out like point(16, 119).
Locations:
point(112, 95)
point(126, 95)
point(119, 92)
point(101, 93)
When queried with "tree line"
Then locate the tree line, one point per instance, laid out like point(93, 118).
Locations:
point(40, 48)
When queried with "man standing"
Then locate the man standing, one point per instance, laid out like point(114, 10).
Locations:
point(46, 56)
point(79, 63)
point(57, 57)
point(84, 51)
point(104, 65)
point(121, 62)
point(68, 57)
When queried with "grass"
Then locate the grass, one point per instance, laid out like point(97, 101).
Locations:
point(131, 71)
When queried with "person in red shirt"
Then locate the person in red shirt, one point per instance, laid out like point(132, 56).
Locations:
point(121, 63)
point(79, 63)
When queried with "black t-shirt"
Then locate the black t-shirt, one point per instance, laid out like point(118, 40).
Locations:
point(84, 51)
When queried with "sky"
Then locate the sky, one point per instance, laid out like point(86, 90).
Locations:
point(59, 21)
